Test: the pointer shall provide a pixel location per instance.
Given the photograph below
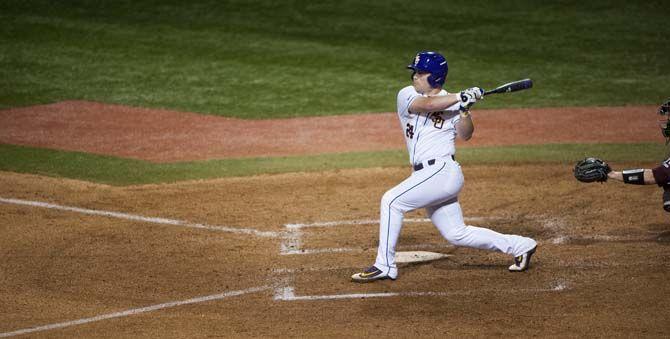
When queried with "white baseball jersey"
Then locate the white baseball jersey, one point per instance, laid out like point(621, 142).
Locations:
point(427, 135)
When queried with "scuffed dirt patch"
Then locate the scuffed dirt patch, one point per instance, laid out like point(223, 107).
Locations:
point(169, 136)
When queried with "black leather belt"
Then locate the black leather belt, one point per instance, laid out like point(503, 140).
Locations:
point(430, 162)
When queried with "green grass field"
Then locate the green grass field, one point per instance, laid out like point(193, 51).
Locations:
point(270, 59)
point(262, 59)
point(121, 172)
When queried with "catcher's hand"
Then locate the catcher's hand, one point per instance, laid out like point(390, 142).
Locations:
point(592, 169)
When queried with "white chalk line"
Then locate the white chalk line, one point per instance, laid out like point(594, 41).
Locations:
point(134, 311)
point(284, 270)
point(291, 243)
point(299, 251)
point(319, 251)
point(599, 238)
point(372, 221)
point(153, 220)
point(292, 240)
point(288, 293)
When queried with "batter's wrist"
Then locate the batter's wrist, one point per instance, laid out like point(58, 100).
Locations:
point(465, 114)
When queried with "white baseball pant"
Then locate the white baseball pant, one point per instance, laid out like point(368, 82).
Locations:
point(436, 187)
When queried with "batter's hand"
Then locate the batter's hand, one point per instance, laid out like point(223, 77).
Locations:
point(468, 98)
point(478, 92)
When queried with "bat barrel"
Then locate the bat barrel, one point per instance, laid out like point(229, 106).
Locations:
point(512, 87)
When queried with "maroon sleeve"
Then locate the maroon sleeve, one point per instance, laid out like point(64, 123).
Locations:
point(662, 173)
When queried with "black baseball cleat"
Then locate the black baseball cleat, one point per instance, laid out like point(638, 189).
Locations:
point(522, 262)
point(370, 274)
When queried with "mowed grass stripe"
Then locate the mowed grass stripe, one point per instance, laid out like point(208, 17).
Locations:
point(268, 59)
point(120, 172)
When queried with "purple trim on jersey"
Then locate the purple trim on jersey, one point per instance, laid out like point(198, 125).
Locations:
point(388, 222)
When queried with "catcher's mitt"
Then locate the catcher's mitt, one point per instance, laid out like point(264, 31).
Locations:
point(591, 169)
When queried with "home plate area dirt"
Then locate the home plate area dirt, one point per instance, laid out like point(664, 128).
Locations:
point(601, 268)
point(271, 256)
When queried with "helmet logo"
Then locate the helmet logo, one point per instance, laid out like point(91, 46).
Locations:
point(416, 60)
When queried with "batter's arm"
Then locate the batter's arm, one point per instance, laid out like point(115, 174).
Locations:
point(433, 103)
point(465, 127)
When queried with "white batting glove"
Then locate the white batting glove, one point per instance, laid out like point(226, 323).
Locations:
point(468, 98)
point(477, 92)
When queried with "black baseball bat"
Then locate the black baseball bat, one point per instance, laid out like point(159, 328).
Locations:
point(511, 87)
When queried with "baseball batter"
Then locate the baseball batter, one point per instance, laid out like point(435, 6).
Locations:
point(430, 119)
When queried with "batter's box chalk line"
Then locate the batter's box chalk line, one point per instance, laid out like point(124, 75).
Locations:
point(292, 244)
point(287, 293)
point(283, 284)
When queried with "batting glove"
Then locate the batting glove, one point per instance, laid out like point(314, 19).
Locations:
point(468, 98)
point(476, 91)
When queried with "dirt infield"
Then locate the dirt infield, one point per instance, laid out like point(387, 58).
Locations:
point(271, 255)
point(168, 136)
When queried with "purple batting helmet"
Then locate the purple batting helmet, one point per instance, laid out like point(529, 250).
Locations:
point(433, 63)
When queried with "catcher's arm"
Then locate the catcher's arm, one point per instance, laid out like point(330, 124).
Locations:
point(647, 176)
